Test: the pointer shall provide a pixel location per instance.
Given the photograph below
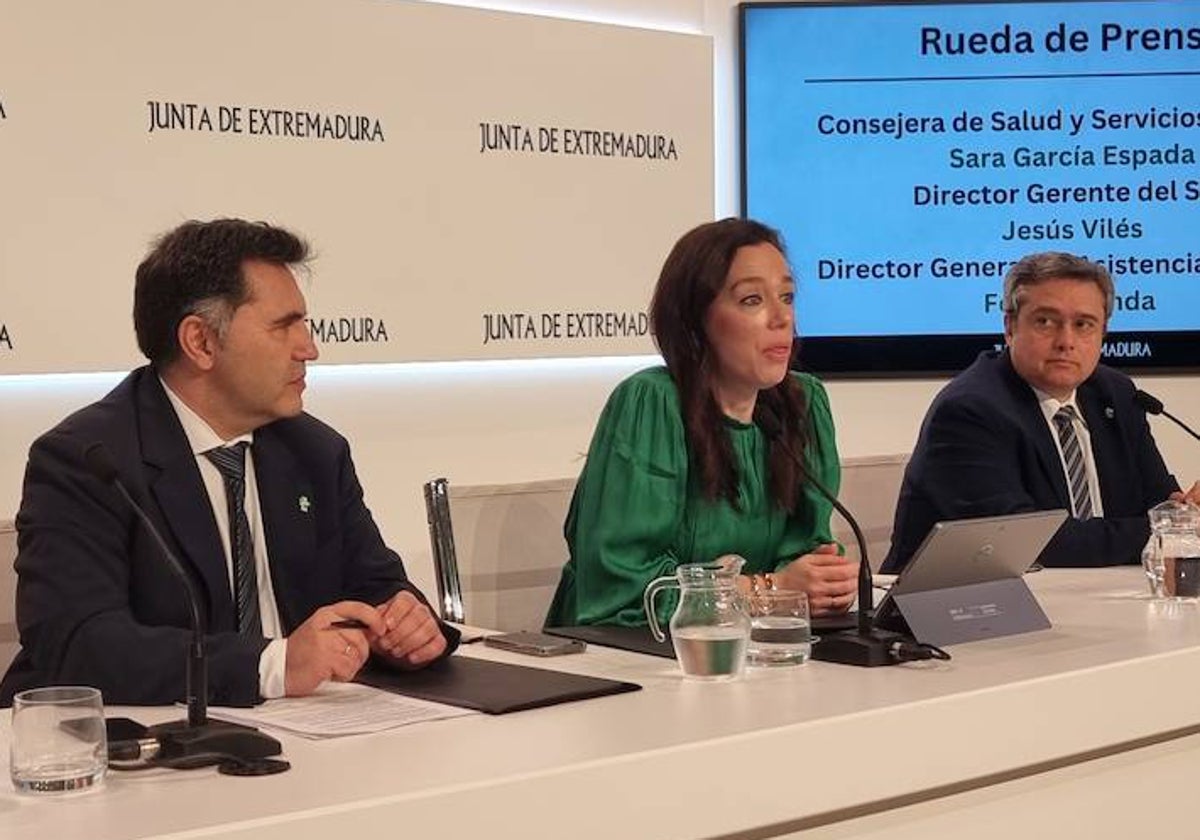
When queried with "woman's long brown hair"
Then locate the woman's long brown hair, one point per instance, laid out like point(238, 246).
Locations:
point(692, 276)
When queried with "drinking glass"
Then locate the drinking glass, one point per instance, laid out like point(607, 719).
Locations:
point(780, 633)
point(58, 740)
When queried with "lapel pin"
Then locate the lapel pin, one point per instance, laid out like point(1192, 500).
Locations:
point(304, 504)
point(1109, 413)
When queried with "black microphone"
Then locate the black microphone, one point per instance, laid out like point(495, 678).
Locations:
point(866, 645)
point(194, 742)
point(101, 465)
point(1153, 405)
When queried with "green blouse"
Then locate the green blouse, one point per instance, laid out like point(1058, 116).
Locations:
point(637, 514)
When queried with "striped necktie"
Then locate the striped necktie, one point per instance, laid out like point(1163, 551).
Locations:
point(1077, 477)
point(231, 462)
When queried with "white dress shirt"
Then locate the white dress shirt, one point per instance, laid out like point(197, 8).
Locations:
point(1050, 407)
point(201, 437)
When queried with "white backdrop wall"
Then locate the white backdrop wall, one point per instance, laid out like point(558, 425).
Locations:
point(476, 184)
point(491, 422)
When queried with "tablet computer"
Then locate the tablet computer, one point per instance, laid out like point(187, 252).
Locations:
point(962, 552)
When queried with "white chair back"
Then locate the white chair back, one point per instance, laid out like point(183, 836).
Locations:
point(498, 550)
point(870, 489)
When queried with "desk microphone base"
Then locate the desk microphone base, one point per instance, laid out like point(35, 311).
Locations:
point(868, 651)
point(183, 746)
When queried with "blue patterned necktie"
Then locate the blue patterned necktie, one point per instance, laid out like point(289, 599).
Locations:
point(1077, 478)
point(231, 462)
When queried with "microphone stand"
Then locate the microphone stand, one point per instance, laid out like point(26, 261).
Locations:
point(196, 741)
point(197, 660)
point(866, 645)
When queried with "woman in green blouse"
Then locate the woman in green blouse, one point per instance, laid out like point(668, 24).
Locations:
point(679, 469)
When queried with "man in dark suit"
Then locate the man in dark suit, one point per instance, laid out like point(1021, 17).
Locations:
point(1041, 425)
point(259, 501)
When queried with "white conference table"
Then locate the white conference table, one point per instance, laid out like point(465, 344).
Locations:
point(1084, 730)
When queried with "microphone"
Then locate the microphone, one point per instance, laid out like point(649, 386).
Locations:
point(190, 743)
point(866, 645)
point(100, 463)
point(1153, 405)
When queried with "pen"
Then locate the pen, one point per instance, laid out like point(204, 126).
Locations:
point(348, 624)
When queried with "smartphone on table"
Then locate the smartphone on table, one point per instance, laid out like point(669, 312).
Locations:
point(535, 644)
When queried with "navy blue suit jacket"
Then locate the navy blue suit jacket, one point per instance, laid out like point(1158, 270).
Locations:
point(985, 449)
point(98, 605)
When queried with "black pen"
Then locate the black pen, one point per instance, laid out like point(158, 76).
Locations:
point(348, 624)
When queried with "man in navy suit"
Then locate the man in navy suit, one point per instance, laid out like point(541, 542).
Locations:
point(259, 500)
point(1041, 425)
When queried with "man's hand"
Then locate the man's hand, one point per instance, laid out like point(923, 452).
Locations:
point(412, 636)
point(830, 580)
point(317, 651)
point(1192, 495)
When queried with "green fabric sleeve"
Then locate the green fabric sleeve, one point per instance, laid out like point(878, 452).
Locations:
point(628, 504)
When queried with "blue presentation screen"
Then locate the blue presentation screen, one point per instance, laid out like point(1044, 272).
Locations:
point(910, 153)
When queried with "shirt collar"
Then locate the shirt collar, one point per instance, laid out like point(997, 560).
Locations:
point(1050, 405)
point(200, 435)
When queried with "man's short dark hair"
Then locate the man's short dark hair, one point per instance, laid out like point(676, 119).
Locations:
point(197, 269)
point(1054, 265)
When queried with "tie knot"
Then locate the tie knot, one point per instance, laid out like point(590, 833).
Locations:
point(1065, 416)
point(229, 460)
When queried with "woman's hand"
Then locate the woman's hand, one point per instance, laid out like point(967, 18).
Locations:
point(830, 580)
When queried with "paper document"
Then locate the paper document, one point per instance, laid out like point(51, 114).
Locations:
point(339, 709)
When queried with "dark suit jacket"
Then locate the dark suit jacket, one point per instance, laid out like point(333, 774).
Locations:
point(98, 605)
point(985, 449)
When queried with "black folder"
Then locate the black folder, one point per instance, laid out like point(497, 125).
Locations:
point(640, 640)
point(636, 639)
point(492, 687)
